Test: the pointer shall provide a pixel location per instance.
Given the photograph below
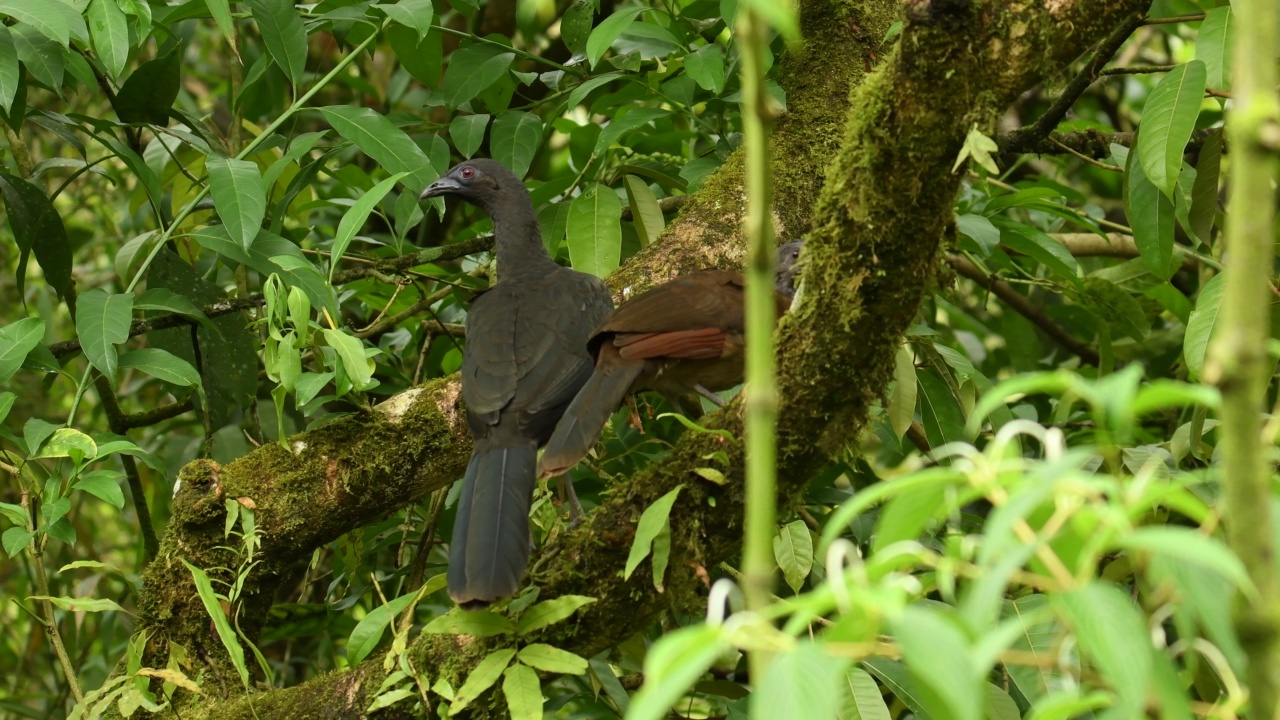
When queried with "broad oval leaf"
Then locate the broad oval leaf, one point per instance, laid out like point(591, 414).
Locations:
point(415, 14)
point(481, 678)
point(515, 140)
point(861, 699)
point(16, 340)
point(472, 70)
point(150, 91)
point(109, 29)
point(1168, 118)
point(550, 612)
point(161, 364)
point(353, 220)
point(1113, 636)
point(593, 231)
point(608, 30)
point(374, 134)
point(803, 682)
point(239, 195)
point(43, 16)
point(1200, 326)
point(552, 659)
point(467, 133)
point(364, 638)
point(104, 485)
point(706, 66)
point(523, 693)
point(575, 26)
point(1213, 47)
point(351, 351)
point(102, 322)
point(793, 551)
point(284, 35)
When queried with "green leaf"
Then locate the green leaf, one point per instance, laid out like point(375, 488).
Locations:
point(212, 606)
point(780, 15)
point(979, 229)
point(523, 693)
point(150, 91)
point(467, 133)
point(1201, 324)
point(1184, 545)
point(415, 14)
point(368, 632)
point(16, 341)
point(387, 699)
point(485, 674)
point(284, 35)
point(1038, 637)
point(35, 431)
point(619, 126)
point(1213, 47)
point(608, 30)
point(220, 10)
point(422, 58)
point(10, 72)
point(801, 683)
point(793, 551)
point(645, 212)
point(14, 513)
point(104, 485)
point(594, 232)
point(550, 612)
point(109, 29)
point(902, 404)
point(652, 521)
point(940, 412)
point(472, 69)
point(387, 144)
point(80, 604)
point(1037, 244)
point(515, 140)
point(15, 540)
point(1204, 192)
point(161, 364)
point(979, 148)
point(354, 218)
point(1113, 636)
point(575, 27)
point(861, 699)
point(351, 350)
point(239, 195)
point(43, 16)
point(1151, 214)
point(166, 300)
point(706, 67)
point(580, 93)
point(102, 322)
point(552, 659)
point(38, 229)
point(1168, 118)
point(272, 254)
point(479, 623)
point(673, 664)
point(44, 59)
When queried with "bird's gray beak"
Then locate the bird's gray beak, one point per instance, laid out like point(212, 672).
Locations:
point(443, 186)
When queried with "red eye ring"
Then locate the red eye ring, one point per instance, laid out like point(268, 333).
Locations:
point(467, 172)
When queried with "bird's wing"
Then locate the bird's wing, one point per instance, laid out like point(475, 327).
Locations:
point(573, 304)
point(707, 298)
point(490, 372)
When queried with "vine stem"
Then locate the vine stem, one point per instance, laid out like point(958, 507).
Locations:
point(761, 397)
point(1240, 366)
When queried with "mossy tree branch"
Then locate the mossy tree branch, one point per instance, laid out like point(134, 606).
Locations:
point(880, 219)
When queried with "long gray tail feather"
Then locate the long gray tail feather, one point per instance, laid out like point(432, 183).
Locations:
point(583, 421)
point(490, 548)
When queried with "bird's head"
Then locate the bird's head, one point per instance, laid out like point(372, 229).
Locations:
point(788, 267)
point(480, 181)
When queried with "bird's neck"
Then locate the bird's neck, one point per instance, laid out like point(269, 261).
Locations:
point(518, 238)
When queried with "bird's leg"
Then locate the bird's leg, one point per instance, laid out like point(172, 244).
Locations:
point(567, 494)
point(714, 398)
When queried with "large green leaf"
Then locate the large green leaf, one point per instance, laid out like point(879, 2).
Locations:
point(10, 73)
point(414, 14)
point(109, 29)
point(1113, 636)
point(221, 624)
point(575, 26)
point(515, 140)
point(43, 16)
point(102, 322)
point(220, 10)
point(239, 195)
point(619, 126)
point(861, 699)
point(803, 682)
point(284, 35)
point(472, 69)
point(550, 612)
point(1168, 117)
point(16, 340)
point(706, 66)
point(481, 678)
point(467, 133)
point(1151, 214)
point(671, 667)
point(594, 232)
point(652, 521)
point(364, 638)
point(44, 59)
point(150, 91)
point(793, 551)
point(351, 351)
point(38, 230)
point(608, 30)
point(353, 220)
point(645, 212)
point(161, 364)
point(523, 693)
point(374, 134)
point(940, 413)
point(552, 659)
point(1213, 47)
point(1201, 324)
point(1204, 192)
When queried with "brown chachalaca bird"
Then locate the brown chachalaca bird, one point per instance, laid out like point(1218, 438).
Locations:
point(524, 360)
point(684, 338)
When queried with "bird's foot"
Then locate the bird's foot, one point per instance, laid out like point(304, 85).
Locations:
point(567, 495)
point(714, 398)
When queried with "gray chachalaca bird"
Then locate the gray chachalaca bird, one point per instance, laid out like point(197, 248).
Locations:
point(683, 339)
point(525, 359)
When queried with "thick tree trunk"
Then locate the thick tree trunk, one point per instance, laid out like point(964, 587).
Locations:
point(877, 189)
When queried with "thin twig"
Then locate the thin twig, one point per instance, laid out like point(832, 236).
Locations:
point(1086, 158)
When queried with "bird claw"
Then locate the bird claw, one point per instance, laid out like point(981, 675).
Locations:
point(714, 398)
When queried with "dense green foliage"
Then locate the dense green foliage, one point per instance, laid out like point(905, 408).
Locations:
point(214, 241)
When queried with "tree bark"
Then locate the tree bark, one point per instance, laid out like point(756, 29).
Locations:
point(877, 194)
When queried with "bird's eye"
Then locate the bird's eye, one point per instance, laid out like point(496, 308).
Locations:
point(467, 172)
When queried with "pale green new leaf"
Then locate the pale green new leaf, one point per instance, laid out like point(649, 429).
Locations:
point(801, 683)
point(351, 351)
point(673, 664)
point(80, 604)
point(861, 699)
point(651, 523)
point(41, 15)
point(1213, 47)
point(1204, 318)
